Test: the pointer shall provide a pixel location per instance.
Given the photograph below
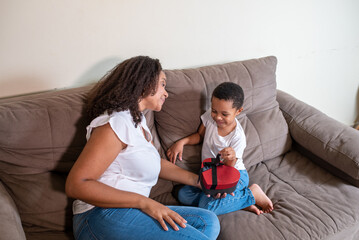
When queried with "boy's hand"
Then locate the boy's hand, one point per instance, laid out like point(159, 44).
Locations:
point(175, 150)
point(229, 156)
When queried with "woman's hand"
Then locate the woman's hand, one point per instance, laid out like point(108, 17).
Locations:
point(175, 150)
point(229, 156)
point(162, 213)
point(218, 195)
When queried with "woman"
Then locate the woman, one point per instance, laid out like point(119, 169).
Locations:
point(118, 166)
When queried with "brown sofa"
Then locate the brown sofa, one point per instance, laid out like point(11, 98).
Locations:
point(306, 162)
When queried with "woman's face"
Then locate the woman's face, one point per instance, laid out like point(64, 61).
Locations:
point(155, 102)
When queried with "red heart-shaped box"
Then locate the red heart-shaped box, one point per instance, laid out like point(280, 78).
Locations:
point(217, 177)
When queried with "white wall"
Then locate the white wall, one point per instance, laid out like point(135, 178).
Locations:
point(47, 44)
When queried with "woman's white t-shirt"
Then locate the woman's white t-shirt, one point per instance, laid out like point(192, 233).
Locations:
point(136, 168)
point(213, 142)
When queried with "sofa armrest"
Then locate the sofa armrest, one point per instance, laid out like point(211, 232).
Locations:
point(331, 141)
point(10, 227)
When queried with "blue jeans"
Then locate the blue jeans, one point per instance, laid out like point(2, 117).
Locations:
point(132, 223)
point(243, 197)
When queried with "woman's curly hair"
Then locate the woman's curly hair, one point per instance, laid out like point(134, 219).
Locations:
point(124, 86)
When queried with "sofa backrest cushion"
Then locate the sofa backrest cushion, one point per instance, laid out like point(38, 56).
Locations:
point(190, 93)
point(41, 135)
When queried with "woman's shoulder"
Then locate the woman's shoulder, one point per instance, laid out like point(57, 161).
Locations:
point(120, 122)
point(123, 116)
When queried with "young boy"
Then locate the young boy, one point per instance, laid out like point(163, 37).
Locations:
point(221, 133)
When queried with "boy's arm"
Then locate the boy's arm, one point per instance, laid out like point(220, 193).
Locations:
point(177, 148)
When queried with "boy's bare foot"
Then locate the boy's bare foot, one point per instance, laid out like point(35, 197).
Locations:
point(253, 208)
point(261, 198)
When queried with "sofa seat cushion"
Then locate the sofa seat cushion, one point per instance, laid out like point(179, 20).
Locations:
point(190, 93)
point(309, 203)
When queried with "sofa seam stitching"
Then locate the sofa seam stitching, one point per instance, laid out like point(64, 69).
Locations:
point(52, 140)
point(258, 137)
point(293, 190)
point(250, 76)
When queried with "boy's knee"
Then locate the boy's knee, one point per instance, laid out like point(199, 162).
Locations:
point(208, 203)
point(188, 195)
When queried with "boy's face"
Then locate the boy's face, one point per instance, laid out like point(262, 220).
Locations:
point(223, 112)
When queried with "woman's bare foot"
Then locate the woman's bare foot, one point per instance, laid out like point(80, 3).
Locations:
point(253, 208)
point(261, 198)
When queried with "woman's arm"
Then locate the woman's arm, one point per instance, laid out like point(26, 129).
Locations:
point(177, 148)
point(174, 173)
point(97, 155)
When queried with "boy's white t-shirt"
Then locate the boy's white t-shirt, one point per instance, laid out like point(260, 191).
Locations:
point(136, 168)
point(213, 142)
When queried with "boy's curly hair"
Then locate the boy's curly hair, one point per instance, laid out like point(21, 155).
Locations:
point(230, 91)
point(124, 86)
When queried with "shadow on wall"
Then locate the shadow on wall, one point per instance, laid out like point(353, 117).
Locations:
point(25, 84)
point(22, 85)
point(97, 71)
